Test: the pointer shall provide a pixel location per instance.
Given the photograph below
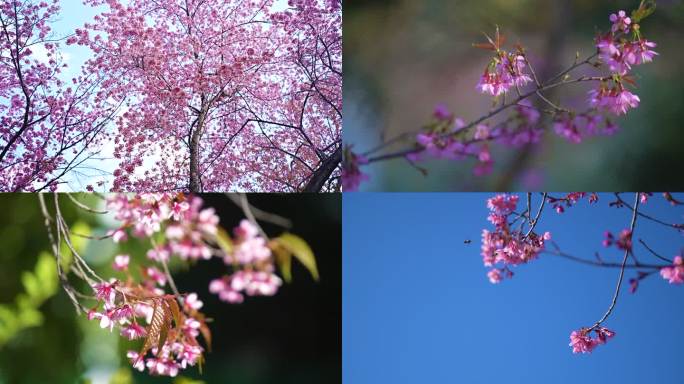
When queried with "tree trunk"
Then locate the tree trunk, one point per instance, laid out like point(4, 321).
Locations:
point(195, 182)
point(321, 175)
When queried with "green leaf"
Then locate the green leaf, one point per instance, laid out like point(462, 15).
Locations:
point(284, 260)
point(646, 8)
point(299, 248)
point(46, 273)
point(30, 318)
point(39, 285)
point(224, 241)
point(31, 286)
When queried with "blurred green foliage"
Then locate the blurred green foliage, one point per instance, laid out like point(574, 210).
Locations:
point(39, 286)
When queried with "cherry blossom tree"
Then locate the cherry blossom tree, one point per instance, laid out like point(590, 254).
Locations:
point(221, 95)
point(48, 128)
point(510, 79)
point(517, 239)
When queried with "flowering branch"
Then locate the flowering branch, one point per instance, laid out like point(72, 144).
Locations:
point(448, 137)
point(509, 245)
point(175, 226)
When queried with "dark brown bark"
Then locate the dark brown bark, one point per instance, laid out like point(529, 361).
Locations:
point(323, 172)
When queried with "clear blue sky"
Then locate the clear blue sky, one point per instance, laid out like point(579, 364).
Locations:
point(418, 308)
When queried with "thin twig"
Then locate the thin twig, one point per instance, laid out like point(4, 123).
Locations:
point(534, 222)
point(172, 283)
point(83, 206)
point(654, 253)
point(648, 217)
point(263, 215)
point(622, 268)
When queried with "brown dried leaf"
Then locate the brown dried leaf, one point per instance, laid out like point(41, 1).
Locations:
point(159, 326)
point(206, 333)
point(175, 310)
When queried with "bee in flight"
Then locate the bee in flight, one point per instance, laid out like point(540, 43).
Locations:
point(467, 241)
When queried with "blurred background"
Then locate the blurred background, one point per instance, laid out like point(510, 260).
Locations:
point(403, 57)
point(293, 337)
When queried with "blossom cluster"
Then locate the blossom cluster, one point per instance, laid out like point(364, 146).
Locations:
point(191, 233)
point(505, 71)
point(623, 241)
point(505, 246)
point(560, 204)
point(620, 49)
point(142, 311)
point(582, 342)
point(186, 226)
point(252, 260)
point(176, 225)
point(674, 273)
point(352, 176)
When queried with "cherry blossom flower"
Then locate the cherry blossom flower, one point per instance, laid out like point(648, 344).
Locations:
point(674, 273)
point(494, 276)
point(621, 22)
point(192, 302)
point(156, 275)
point(623, 242)
point(641, 52)
point(133, 331)
point(582, 342)
point(251, 247)
point(106, 292)
point(506, 72)
point(121, 262)
point(135, 359)
point(122, 314)
point(106, 320)
point(352, 176)
point(231, 288)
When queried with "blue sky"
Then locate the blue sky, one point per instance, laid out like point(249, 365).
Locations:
point(418, 308)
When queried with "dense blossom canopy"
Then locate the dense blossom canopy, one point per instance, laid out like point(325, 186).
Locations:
point(47, 127)
point(221, 95)
point(218, 95)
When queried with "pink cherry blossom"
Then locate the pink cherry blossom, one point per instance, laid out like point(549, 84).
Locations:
point(106, 320)
point(621, 22)
point(106, 292)
point(251, 246)
point(121, 262)
point(192, 302)
point(641, 51)
point(135, 359)
point(675, 273)
point(494, 276)
point(582, 342)
point(352, 177)
point(506, 246)
point(156, 276)
point(133, 331)
point(507, 72)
